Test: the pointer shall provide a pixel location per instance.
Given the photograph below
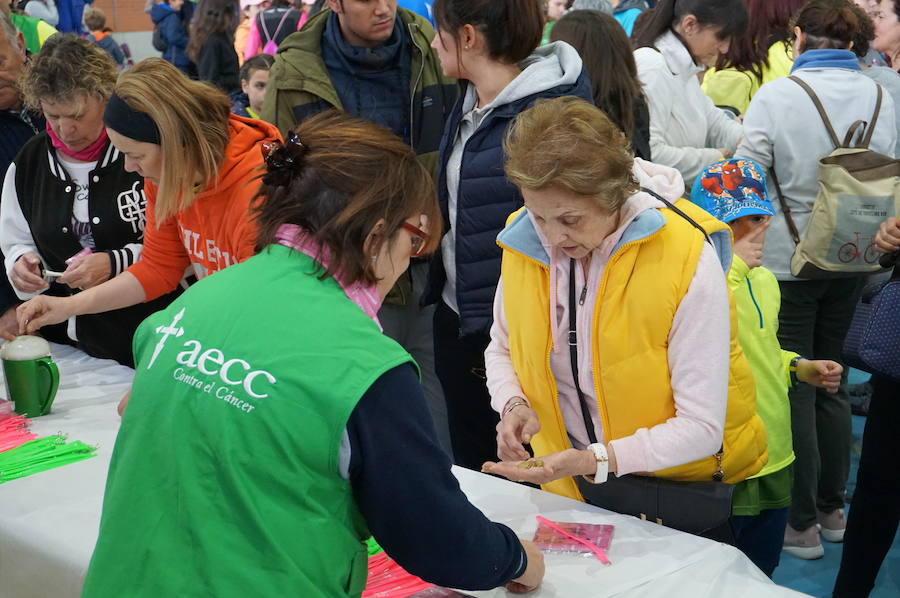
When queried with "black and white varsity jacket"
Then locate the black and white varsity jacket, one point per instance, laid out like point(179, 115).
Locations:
point(36, 216)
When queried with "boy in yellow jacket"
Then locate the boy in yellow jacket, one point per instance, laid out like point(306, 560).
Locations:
point(734, 191)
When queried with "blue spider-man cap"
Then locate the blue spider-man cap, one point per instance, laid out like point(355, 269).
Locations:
point(731, 189)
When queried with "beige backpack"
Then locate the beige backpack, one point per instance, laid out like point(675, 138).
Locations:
point(858, 190)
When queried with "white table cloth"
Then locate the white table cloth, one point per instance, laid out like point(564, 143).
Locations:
point(49, 521)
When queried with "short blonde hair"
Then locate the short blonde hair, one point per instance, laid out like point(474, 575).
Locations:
point(95, 19)
point(66, 67)
point(569, 144)
point(192, 119)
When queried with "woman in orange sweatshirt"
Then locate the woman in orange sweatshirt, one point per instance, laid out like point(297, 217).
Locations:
point(199, 163)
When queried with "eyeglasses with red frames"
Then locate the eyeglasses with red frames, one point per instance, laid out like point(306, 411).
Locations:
point(418, 238)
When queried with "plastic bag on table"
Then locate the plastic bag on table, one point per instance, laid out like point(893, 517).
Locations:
point(573, 538)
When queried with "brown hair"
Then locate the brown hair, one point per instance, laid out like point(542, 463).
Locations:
point(569, 144)
point(729, 16)
point(343, 176)
point(512, 28)
point(66, 66)
point(865, 34)
point(211, 17)
point(192, 119)
point(608, 60)
point(95, 19)
point(827, 24)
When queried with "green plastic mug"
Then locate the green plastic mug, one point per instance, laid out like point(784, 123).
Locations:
point(32, 378)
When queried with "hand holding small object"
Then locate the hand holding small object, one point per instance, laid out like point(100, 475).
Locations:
point(87, 272)
point(26, 274)
point(43, 311)
point(567, 463)
point(516, 428)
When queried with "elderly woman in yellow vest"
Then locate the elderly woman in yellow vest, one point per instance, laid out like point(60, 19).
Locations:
point(602, 272)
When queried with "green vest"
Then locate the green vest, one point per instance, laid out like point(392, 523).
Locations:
point(224, 480)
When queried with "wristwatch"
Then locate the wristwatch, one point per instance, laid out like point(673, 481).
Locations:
point(602, 456)
point(792, 368)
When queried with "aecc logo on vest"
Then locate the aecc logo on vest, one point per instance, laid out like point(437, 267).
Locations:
point(230, 375)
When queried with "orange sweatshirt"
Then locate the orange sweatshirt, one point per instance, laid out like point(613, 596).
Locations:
point(217, 230)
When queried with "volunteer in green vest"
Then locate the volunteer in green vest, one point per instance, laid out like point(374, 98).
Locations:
point(272, 427)
point(611, 350)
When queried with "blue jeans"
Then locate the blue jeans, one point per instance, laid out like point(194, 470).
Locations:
point(760, 537)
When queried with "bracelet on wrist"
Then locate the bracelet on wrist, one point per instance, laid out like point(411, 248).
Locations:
point(512, 406)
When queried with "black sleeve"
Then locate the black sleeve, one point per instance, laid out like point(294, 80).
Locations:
point(412, 502)
point(7, 294)
point(207, 63)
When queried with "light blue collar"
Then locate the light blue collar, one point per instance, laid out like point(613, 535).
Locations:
point(521, 236)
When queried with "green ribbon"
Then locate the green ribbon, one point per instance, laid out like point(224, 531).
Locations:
point(373, 547)
point(40, 455)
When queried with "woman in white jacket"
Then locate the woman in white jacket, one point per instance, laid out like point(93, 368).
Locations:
point(679, 40)
point(784, 132)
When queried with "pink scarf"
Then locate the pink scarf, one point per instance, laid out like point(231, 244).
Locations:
point(89, 154)
point(363, 295)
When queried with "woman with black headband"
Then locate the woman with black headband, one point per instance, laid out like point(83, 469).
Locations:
point(72, 214)
point(198, 162)
point(295, 432)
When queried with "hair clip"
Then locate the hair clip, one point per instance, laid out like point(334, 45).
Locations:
point(283, 159)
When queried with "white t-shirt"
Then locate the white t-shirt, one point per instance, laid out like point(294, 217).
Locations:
point(80, 173)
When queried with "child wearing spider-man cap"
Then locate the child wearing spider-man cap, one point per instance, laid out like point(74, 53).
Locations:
point(734, 191)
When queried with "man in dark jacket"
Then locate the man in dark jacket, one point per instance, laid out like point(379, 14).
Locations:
point(18, 126)
point(373, 60)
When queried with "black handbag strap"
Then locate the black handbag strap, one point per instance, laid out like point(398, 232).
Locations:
point(573, 326)
point(672, 207)
point(573, 350)
point(573, 335)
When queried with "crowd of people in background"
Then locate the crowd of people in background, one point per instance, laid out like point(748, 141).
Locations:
point(480, 232)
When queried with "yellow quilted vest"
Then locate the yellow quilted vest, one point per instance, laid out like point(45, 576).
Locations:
point(640, 291)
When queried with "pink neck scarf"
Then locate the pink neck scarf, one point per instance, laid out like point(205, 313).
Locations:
point(89, 154)
point(365, 296)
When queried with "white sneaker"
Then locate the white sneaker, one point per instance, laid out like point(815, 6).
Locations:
point(803, 545)
point(832, 525)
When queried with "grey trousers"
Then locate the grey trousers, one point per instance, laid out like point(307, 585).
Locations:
point(412, 326)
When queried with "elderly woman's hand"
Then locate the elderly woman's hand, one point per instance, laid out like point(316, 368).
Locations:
point(546, 469)
point(26, 274)
point(888, 237)
point(516, 428)
point(87, 272)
